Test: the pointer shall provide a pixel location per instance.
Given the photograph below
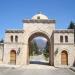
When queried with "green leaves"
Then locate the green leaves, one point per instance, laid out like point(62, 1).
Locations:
point(46, 51)
point(33, 48)
point(72, 25)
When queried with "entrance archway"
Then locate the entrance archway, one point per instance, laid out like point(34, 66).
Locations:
point(64, 58)
point(12, 57)
point(39, 34)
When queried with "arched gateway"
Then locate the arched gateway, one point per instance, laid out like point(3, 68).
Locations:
point(38, 25)
point(41, 34)
point(41, 26)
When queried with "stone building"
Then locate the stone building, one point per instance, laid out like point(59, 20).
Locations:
point(15, 48)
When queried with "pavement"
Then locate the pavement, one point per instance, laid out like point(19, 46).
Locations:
point(73, 69)
point(38, 58)
point(38, 67)
point(35, 69)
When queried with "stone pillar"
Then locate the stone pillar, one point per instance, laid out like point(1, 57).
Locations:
point(6, 55)
point(25, 55)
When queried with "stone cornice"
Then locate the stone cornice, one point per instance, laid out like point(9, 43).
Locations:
point(39, 21)
point(64, 31)
point(14, 43)
point(14, 31)
point(63, 43)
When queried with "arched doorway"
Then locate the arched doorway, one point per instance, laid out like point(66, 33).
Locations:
point(12, 57)
point(39, 34)
point(64, 58)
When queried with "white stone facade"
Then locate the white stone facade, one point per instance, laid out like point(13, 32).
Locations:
point(67, 46)
point(39, 25)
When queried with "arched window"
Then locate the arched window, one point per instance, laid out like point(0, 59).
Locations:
point(16, 38)
point(66, 38)
point(61, 38)
point(38, 17)
point(11, 38)
point(64, 58)
point(12, 57)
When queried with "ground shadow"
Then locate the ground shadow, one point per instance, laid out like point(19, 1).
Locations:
point(74, 63)
point(39, 62)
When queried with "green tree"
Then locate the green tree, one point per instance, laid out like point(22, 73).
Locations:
point(33, 48)
point(1, 41)
point(46, 51)
point(71, 26)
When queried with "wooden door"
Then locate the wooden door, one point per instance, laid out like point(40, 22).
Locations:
point(13, 57)
point(64, 58)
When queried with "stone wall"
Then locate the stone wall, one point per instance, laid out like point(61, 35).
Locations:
point(8, 46)
point(1, 52)
point(32, 28)
point(60, 46)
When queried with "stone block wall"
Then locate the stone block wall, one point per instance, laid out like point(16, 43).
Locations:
point(61, 46)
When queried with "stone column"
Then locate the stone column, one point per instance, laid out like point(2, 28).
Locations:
point(25, 55)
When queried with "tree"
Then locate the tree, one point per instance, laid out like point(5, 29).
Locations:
point(46, 51)
point(2, 41)
point(33, 48)
point(71, 26)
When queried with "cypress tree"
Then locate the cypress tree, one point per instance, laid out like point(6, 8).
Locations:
point(46, 51)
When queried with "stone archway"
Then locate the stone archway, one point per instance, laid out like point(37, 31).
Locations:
point(34, 27)
point(36, 34)
point(64, 58)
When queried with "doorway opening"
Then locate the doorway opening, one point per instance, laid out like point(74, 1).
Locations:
point(39, 49)
point(64, 58)
point(12, 57)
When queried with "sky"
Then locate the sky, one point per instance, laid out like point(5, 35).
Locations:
point(12, 12)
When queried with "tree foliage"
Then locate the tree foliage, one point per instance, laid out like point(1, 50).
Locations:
point(71, 26)
point(46, 51)
point(1, 41)
point(33, 48)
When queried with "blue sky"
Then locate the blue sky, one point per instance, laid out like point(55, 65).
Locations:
point(12, 12)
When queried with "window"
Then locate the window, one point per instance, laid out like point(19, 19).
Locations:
point(66, 38)
point(38, 17)
point(61, 38)
point(16, 38)
point(11, 38)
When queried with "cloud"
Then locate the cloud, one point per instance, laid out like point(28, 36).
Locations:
point(41, 38)
point(44, 39)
